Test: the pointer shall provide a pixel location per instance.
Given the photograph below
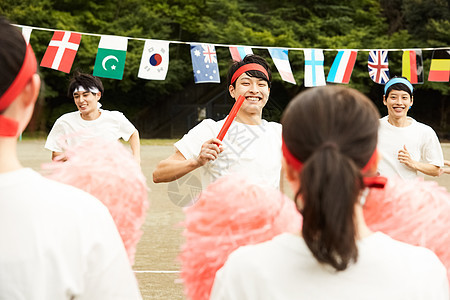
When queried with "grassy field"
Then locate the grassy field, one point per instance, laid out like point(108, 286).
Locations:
point(156, 258)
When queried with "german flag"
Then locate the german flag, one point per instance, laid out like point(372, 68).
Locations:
point(412, 66)
point(440, 66)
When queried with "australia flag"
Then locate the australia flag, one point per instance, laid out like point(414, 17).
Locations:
point(204, 63)
point(379, 66)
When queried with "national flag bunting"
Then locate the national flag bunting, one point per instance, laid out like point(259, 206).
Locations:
point(342, 66)
point(239, 52)
point(281, 60)
point(111, 55)
point(379, 66)
point(412, 66)
point(204, 63)
point(440, 66)
point(314, 73)
point(61, 51)
point(26, 32)
point(155, 60)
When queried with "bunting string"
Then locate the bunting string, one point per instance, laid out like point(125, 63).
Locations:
point(111, 56)
point(232, 45)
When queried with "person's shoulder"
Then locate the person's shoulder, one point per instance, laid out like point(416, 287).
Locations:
point(272, 124)
point(264, 249)
point(70, 116)
point(422, 126)
point(208, 124)
point(409, 253)
point(414, 264)
point(419, 262)
point(384, 121)
point(275, 126)
point(114, 113)
point(67, 197)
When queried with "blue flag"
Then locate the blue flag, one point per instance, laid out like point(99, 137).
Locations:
point(204, 63)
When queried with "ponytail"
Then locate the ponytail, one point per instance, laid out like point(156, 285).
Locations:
point(331, 132)
point(329, 194)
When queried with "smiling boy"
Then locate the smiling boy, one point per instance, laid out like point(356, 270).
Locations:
point(89, 122)
point(252, 145)
point(406, 146)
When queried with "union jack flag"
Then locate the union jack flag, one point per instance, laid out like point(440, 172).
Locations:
point(209, 52)
point(379, 66)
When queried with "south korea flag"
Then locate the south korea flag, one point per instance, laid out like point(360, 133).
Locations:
point(155, 60)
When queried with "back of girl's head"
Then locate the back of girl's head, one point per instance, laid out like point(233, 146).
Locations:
point(333, 132)
point(12, 53)
point(87, 81)
point(249, 59)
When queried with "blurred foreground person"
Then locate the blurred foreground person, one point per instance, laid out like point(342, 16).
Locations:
point(56, 241)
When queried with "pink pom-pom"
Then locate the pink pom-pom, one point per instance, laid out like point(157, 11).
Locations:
point(416, 212)
point(230, 213)
point(108, 171)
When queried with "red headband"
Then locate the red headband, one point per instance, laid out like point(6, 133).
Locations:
point(375, 182)
point(9, 127)
point(249, 67)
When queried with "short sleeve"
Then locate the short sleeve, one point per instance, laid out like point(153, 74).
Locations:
point(55, 140)
point(191, 143)
point(126, 128)
point(432, 151)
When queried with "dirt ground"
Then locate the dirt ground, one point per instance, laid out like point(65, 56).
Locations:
point(156, 264)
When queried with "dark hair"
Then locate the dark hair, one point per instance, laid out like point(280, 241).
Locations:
point(333, 131)
point(399, 87)
point(248, 59)
point(12, 53)
point(86, 81)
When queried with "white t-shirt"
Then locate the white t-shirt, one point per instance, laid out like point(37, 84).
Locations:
point(58, 242)
point(420, 140)
point(248, 149)
point(284, 268)
point(70, 129)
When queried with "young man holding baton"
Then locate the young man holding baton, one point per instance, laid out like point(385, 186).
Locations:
point(251, 146)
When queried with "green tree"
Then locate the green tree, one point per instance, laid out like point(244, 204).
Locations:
point(328, 24)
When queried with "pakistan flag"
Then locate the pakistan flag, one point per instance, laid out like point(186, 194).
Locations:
point(110, 60)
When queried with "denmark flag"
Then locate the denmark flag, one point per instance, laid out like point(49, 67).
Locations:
point(61, 51)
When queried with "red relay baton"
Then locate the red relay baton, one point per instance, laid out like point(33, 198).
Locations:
point(234, 110)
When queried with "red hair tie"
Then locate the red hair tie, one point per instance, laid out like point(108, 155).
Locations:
point(249, 67)
point(371, 182)
point(290, 158)
point(9, 127)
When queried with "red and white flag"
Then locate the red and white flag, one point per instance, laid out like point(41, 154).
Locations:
point(61, 51)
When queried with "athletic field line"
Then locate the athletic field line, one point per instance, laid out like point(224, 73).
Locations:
point(149, 271)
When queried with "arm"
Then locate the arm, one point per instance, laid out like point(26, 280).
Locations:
point(405, 158)
point(445, 170)
point(58, 156)
point(135, 146)
point(177, 165)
